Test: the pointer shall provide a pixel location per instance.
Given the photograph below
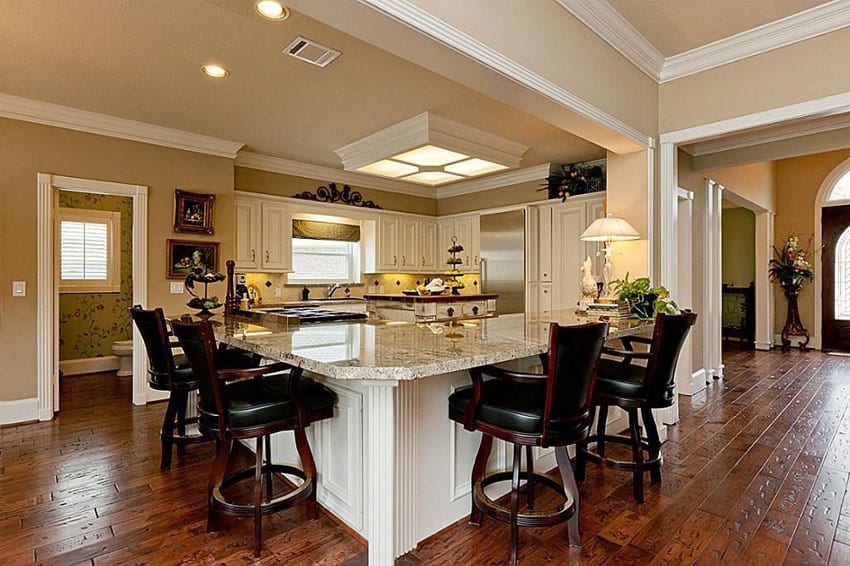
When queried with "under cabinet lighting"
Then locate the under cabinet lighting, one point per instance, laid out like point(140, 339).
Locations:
point(430, 156)
point(389, 168)
point(432, 178)
point(474, 166)
point(214, 71)
point(272, 10)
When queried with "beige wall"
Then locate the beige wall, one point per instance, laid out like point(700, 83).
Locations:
point(755, 183)
point(628, 197)
point(798, 182)
point(739, 246)
point(807, 70)
point(503, 196)
point(256, 181)
point(27, 149)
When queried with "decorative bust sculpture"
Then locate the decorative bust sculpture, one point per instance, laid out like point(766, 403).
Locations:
point(587, 286)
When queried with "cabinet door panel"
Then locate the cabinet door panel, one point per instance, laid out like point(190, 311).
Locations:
point(277, 238)
point(544, 242)
point(428, 246)
point(446, 229)
point(567, 225)
point(463, 231)
point(533, 298)
point(388, 244)
point(247, 234)
point(594, 249)
point(545, 301)
point(408, 254)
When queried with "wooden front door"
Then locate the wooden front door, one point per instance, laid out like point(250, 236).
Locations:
point(836, 278)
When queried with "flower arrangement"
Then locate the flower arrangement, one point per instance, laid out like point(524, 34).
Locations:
point(791, 266)
point(574, 179)
point(205, 303)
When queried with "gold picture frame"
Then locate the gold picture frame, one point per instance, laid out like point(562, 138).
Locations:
point(193, 212)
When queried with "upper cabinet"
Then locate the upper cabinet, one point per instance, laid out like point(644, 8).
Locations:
point(406, 244)
point(263, 236)
point(387, 252)
point(468, 233)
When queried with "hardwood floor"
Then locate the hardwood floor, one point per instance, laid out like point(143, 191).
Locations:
point(755, 473)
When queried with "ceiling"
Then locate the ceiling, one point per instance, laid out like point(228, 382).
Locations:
point(141, 60)
point(676, 26)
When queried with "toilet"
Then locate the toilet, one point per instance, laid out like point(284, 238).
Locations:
point(123, 349)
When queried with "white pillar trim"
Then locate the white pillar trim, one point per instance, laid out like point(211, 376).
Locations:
point(764, 289)
point(47, 304)
point(667, 221)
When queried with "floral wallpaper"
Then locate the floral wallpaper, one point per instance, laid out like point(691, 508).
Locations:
point(90, 322)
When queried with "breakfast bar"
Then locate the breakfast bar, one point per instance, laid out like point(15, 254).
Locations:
point(392, 465)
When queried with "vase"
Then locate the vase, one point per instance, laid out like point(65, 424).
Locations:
point(793, 325)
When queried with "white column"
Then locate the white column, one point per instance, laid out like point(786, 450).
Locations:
point(379, 481)
point(667, 236)
point(47, 318)
point(406, 467)
point(764, 290)
point(713, 281)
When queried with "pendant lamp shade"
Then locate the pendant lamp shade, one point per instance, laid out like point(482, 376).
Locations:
point(609, 229)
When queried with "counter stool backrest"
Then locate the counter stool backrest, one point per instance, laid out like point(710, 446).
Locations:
point(573, 358)
point(668, 337)
point(199, 345)
point(151, 325)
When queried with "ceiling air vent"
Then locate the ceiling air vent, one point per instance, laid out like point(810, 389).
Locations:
point(310, 51)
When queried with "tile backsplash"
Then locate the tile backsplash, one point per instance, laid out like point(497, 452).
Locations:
point(273, 288)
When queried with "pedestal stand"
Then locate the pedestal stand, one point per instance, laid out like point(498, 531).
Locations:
point(793, 325)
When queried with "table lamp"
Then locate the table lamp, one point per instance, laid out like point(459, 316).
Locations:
point(609, 229)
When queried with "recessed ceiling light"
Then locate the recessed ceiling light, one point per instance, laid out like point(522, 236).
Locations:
point(432, 178)
point(214, 71)
point(430, 156)
point(388, 168)
point(474, 166)
point(272, 10)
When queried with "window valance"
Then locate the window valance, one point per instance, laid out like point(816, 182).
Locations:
point(313, 230)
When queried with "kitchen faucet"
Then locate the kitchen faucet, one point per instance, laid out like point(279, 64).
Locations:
point(332, 288)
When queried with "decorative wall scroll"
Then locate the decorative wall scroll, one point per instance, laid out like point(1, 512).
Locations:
point(193, 212)
point(333, 195)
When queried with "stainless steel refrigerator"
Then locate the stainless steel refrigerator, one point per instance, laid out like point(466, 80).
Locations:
point(503, 259)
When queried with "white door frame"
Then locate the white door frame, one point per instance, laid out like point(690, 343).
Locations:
point(688, 382)
point(821, 202)
point(47, 298)
point(671, 140)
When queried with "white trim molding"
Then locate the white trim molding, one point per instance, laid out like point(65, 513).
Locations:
point(83, 366)
point(19, 411)
point(616, 31)
point(524, 175)
point(39, 112)
point(606, 22)
point(415, 17)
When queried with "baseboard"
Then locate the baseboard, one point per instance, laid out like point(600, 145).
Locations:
point(88, 365)
point(18, 411)
point(698, 381)
point(763, 345)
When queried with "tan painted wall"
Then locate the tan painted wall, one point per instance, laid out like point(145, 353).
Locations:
point(798, 181)
point(739, 246)
point(627, 186)
point(503, 196)
point(755, 182)
point(807, 70)
point(27, 149)
point(256, 181)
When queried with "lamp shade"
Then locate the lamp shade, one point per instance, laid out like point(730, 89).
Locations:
point(609, 229)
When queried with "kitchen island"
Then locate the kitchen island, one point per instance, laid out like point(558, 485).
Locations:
point(430, 308)
point(391, 464)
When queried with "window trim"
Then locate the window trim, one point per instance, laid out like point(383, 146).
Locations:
point(352, 277)
point(112, 284)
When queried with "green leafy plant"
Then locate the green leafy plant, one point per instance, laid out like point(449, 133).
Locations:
point(791, 266)
point(644, 300)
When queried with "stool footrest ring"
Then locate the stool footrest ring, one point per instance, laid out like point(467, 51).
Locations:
point(300, 493)
point(528, 519)
point(627, 465)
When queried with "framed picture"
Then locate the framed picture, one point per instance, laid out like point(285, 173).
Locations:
point(193, 212)
point(184, 256)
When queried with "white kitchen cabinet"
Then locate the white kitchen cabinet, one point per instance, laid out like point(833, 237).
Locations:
point(567, 225)
point(545, 298)
point(409, 244)
point(263, 236)
point(429, 259)
point(468, 233)
point(544, 261)
point(388, 243)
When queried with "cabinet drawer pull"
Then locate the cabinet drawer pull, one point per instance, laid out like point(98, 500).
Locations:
point(253, 255)
point(403, 260)
point(267, 255)
point(450, 311)
point(423, 260)
point(395, 260)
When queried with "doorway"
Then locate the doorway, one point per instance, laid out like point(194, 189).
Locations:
point(47, 327)
point(836, 279)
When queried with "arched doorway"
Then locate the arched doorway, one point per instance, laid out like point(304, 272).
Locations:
point(832, 266)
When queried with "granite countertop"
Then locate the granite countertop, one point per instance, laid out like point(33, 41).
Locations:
point(376, 349)
point(428, 298)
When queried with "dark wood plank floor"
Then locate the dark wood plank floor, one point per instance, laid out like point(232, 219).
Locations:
point(755, 473)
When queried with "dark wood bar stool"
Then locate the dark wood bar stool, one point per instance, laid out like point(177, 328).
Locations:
point(633, 387)
point(167, 373)
point(253, 403)
point(527, 409)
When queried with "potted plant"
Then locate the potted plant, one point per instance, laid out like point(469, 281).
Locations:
point(644, 300)
point(791, 268)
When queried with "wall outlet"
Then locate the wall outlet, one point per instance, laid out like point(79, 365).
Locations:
point(19, 288)
point(176, 287)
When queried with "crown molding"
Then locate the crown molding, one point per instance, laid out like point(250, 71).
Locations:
point(614, 29)
point(417, 18)
point(792, 29)
point(36, 111)
point(534, 173)
point(273, 164)
point(779, 133)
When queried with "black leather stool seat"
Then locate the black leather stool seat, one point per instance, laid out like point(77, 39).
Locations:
point(622, 380)
point(510, 405)
point(182, 378)
point(257, 402)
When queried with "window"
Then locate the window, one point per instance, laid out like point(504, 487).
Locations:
point(841, 190)
point(89, 256)
point(842, 277)
point(324, 261)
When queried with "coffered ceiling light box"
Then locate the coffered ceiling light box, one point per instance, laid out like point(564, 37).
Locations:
point(431, 150)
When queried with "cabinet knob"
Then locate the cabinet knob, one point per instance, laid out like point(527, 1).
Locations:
point(450, 311)
point(545, 275)
point(545, 290)
point(474, 310)
point(253, 255)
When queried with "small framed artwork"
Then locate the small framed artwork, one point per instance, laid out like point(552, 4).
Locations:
point(193, 212)
point(184, 256)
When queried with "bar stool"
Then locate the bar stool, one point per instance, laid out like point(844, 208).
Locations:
point(632, 387)
point(165, 373)
point(253, 403)
point(528, 409)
